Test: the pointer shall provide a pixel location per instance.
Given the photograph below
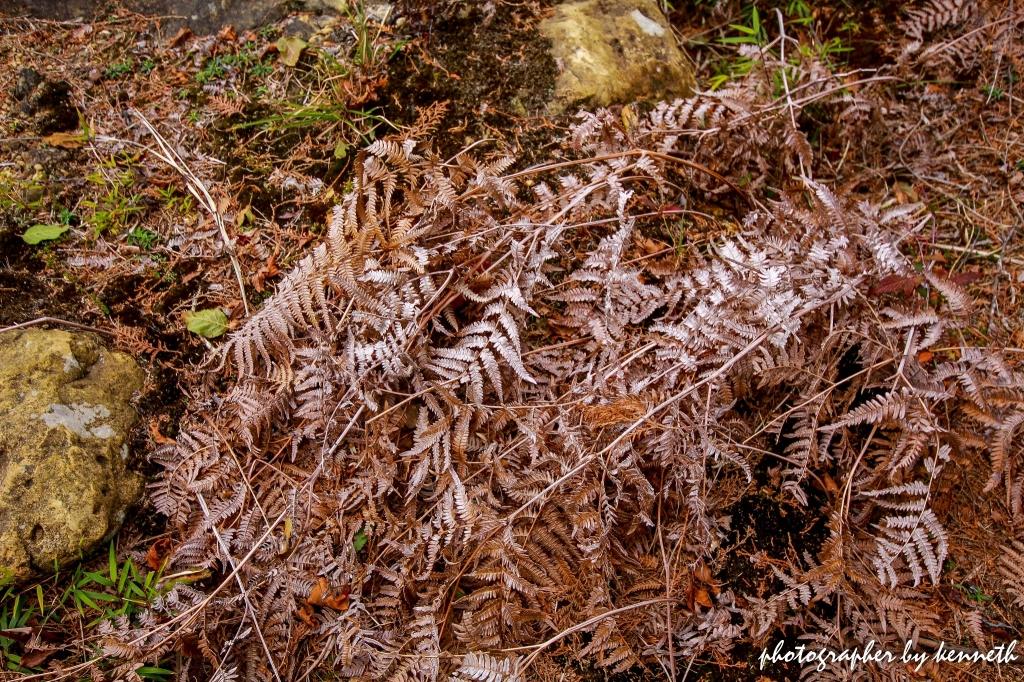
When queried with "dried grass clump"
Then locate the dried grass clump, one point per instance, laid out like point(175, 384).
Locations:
point(480, 425)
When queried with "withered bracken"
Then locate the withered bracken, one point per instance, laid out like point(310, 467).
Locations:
point(480, 422)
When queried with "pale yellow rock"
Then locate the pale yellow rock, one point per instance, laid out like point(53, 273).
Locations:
point(614, 52)
point(64, 419)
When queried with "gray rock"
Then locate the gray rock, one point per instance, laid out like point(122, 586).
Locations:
point(64, 419)
point(203, 17)
point(299, 28)
point(614, 52)
point(27, 81)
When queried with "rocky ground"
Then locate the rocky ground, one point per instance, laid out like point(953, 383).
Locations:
point(165, 165)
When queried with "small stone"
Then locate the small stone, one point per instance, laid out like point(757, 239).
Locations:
point(28, 79)
point(95, 75)
point(64, 423)
point(614, 52)
point(298, 27)
point(379, 12)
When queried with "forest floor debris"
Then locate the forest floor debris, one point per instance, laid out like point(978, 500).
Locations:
point(900, 123)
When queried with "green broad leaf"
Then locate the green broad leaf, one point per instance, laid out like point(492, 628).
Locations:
point(97, 578)
point(207, 323)
point(290, 48)
point(124, 576)
point(743, 29)
point(83, 597)
point(98, 596)
point(341, 150)
point(359, 541)
point(153, 673)
point(43, 233)
point(113, 565)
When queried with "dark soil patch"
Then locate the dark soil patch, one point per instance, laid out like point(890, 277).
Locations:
point(495, 71)
point(25, 293)
point(771, 524)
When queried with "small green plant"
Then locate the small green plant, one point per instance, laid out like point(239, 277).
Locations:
point(154, 673)
point(121, 590)
point(755, 34)
point(799, 12)
point(119, 69)
point(833, 47)
point(221, 66)
point(973, 593)
point(260, 70)
point(115, 210)
point(13, 615)
point(729, 69)
point(142, 238)
point(679, 237)
point(65, 216)
point(368, 48)
point(147, 67)
point(852, 27)
point(214, 69)
point(173, 201)
point(359, 541)
point(992, 92)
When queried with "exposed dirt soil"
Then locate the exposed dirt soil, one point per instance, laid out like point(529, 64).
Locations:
point(493, 68)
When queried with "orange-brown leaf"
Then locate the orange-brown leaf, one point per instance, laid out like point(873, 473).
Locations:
point(158, 553)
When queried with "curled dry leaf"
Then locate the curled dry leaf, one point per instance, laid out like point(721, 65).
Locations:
point(183, 34)
point(158, 553)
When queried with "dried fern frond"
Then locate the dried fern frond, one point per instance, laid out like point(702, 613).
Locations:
point(458, 483)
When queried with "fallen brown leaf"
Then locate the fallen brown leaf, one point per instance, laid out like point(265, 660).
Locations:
point(158, 553)
point(701, 572)
point(66, 140)
point(158, 437)
point(321, 595)
point(305, 614)
point(316, 594)
point(183, 34)
point(36, 658)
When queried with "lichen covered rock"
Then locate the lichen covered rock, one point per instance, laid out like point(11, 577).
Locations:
point(64, 419)
point(614, 52)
